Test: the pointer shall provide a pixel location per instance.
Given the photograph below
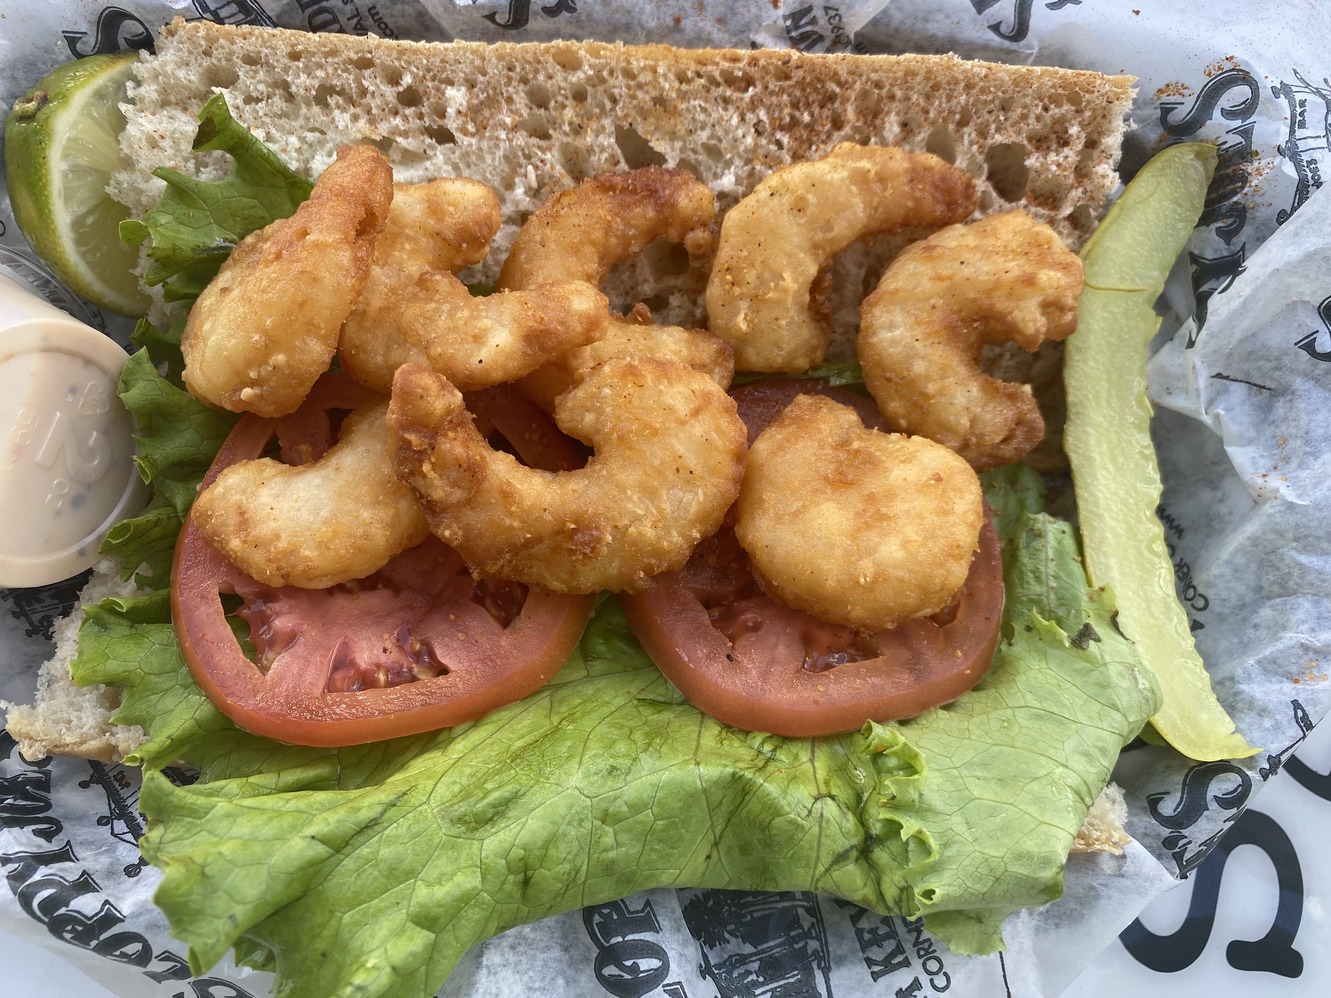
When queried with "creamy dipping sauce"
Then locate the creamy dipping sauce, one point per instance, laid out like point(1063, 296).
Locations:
point(67, 473)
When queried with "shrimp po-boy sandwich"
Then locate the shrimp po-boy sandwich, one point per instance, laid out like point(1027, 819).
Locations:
point(580, 469)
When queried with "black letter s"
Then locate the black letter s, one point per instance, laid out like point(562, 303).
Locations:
point(1208, 98)
point(108, 39)
point(1274, 953)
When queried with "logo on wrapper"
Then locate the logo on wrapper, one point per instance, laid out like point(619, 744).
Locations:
point(1225, 786)
point(630, 961)
point(518, 14)
point(1209, 787)
point(1019, 27)
point(1234, 96)
point(1274, 953)
point(1308, 143)
point(1231, 99)
point(1222, 785)
point(1317, 344)
point(120, 30)
point(808, 32)
point(116, 30)
point(122, 816)
point(760, 943)
point(59, 890)
point(888, 944)
point(234, 12)
point(40, 607)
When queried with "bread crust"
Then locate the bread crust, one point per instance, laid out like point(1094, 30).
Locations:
point(70, 720)
point(531, 119)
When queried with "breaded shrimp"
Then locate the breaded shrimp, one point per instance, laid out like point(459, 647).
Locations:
point(632, 337)
point(1006, 278)
point(267, 325)
point(777, 240)
point(314, 525)
point(474, 342)
point(856, 526)
point(441, 225)
point(444, 224)
point(669, 450)
point(583, 232)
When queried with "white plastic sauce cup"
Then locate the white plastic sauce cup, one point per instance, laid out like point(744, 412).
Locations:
point(67, 473)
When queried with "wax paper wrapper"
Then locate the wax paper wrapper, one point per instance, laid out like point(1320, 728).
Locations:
point(1242, 373)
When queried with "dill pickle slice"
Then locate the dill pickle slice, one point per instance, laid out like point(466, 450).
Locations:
point(1115, 475)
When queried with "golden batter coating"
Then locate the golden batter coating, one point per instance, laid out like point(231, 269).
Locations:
point(267, 325)
point(474, 342)
point(761, 296)
point(584, 231)
point(443, 224)
point(314, 525)
point(669, 452)
point(855, 526)
point(632, 337)
point(1006, 278)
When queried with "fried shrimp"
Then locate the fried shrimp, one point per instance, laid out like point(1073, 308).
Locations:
point(669, 450)
point(415, 310)
point(761, 296)
point(314, 525)
point(267, 325)
point(632, 337)
point(855, 526)
point(1006, 278)
point(584, 231)
point(444, 224)
point(474, 342)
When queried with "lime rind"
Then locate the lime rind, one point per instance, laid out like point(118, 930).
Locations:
point(61, 147)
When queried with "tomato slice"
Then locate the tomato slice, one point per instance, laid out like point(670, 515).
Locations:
point(756, 664)
point(416, 646)
point(760, 402)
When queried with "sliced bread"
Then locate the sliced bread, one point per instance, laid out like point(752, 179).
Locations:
point(532, 119)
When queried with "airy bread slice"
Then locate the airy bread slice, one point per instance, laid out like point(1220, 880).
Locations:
point(75, 720)
point(533, 119)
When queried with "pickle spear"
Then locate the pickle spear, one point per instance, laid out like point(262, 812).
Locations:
point(1115, 474)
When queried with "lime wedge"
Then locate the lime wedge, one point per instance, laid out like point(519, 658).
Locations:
point(62, 143)
point(1107, 438)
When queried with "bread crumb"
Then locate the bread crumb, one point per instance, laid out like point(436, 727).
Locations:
point(1102, 831)
point(65, 719)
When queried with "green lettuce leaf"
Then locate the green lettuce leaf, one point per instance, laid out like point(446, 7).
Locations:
point(197, 223)
point(840, 374)
point(175, 439)
point(371, 870)
point(163, 346)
